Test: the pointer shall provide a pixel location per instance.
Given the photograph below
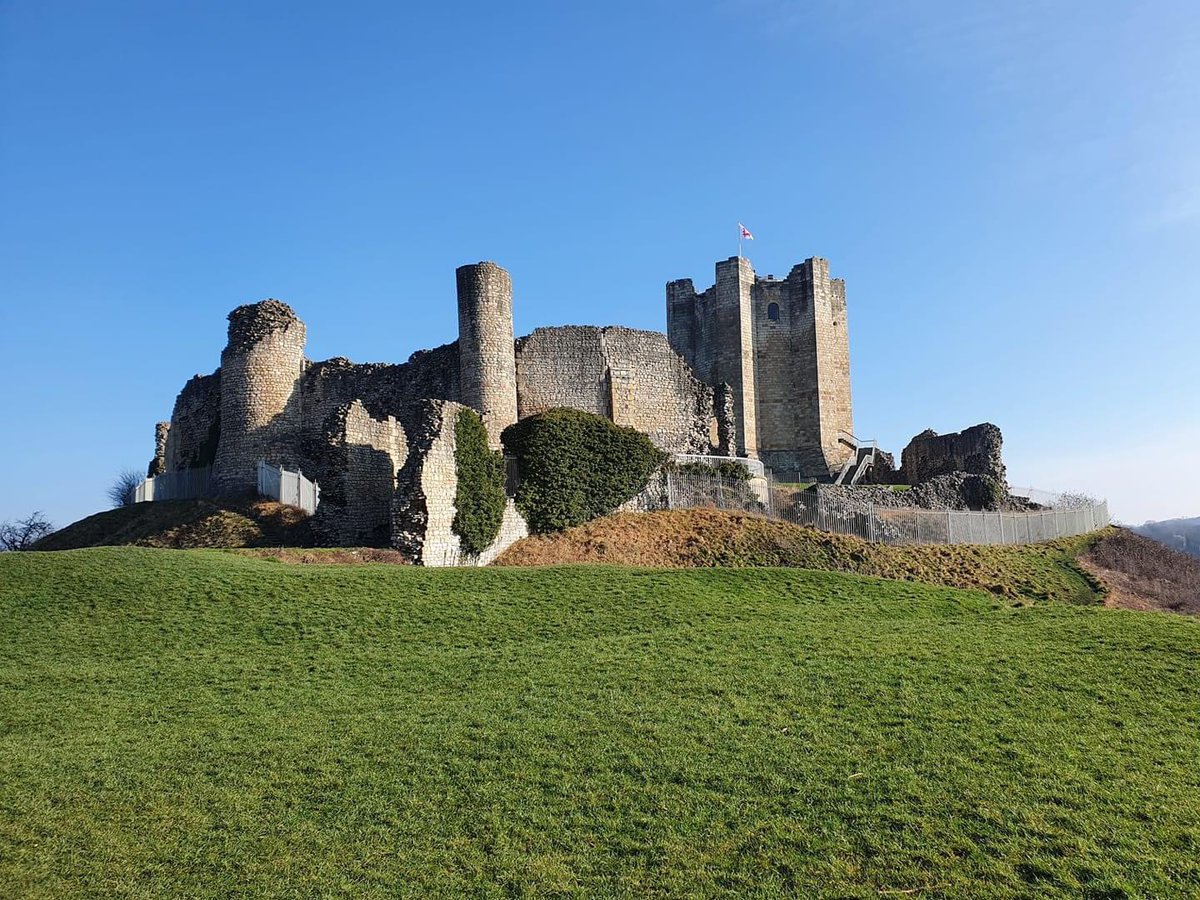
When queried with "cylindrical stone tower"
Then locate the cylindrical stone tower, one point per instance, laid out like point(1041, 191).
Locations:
point(487, 360)
point(259, 369)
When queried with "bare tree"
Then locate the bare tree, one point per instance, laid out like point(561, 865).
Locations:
point(24, 533)
point(120, 493)
point(1074, 500)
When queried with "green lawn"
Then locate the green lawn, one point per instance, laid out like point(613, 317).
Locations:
point(205, 724)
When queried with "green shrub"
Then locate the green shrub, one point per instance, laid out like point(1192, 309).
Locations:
point(575, 466)
point(479, 502)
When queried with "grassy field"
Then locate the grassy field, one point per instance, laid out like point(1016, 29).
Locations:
point(210, 724)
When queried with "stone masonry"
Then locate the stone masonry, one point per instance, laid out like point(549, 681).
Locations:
point(974, 450)
point(751, 367)
point(485, 345)
point(259, 370)
point(195, 425)
point(423, 510)
point(360, 457)
point(631, 377)
point(158, 464)
point(783, 348)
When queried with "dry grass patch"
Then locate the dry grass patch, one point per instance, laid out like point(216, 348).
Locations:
point(187, 525)
point(709, 538)
point(1141, 573)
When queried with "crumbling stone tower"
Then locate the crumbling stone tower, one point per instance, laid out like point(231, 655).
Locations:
point(487, 358)
point(783, 348)
point(714, 332)
point(259, 369)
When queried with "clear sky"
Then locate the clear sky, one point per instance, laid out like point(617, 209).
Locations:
point(1011, 191)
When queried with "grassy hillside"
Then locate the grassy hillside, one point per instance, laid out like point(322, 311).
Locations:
point(706, 537)
point(210, 724)
point(187, 525)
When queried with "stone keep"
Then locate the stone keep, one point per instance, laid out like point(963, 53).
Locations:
point(782, 347)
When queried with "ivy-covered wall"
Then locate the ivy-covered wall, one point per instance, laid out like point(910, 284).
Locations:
point(479, 500)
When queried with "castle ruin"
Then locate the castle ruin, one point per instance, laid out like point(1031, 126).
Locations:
point(753, 366)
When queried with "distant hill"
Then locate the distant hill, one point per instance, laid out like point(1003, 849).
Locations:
point(1178, 534)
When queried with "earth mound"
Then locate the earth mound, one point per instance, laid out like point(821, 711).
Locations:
point(1112, 565)
point(1141, 573)
point(187, 525)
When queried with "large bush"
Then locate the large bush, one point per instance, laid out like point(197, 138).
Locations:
point(479, 502)
point(575, 466)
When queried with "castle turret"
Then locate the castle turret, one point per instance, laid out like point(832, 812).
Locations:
point(259, 369)
point(486, 354)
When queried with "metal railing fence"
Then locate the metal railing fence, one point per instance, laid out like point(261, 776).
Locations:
point(888, 525)
point(754, 466)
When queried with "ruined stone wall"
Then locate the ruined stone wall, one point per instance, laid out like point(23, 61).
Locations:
point(975, 450)
point(426, 485)
point(632, 377)
point(195, 424)
point(724, 429)
point(385, 389)
point(356, 470)
point(485, 345)
point(158, 464)
point(425, 488)
point(714, 332)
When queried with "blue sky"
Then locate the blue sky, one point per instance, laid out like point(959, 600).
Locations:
point(1011, 191)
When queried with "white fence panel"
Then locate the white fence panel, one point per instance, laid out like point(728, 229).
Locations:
point(183, 484)
point(289, 488)
point(679, 490)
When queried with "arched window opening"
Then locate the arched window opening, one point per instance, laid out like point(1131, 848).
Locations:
point(773, 312)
